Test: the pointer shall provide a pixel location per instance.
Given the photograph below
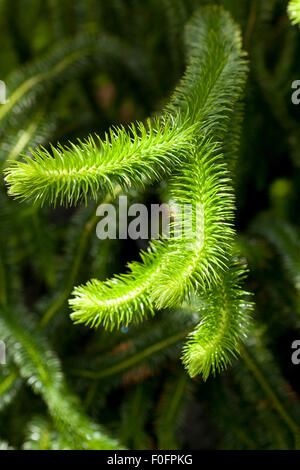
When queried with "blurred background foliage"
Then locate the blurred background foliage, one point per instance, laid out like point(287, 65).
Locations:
point(77, 67)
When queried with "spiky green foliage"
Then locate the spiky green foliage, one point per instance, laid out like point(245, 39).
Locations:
point(29, 351)
point(119, 301)
point(223, 324)
point(294, 11)
point(175, 267)
point(129, 300)
point(172, 269)
point(193, 262)
point(70, 173)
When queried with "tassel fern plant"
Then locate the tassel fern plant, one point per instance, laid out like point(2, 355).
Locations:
point(187, 297)
point(188, 137)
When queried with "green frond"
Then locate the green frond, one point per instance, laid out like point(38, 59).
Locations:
point(182, 266)
point(173, 268)
point(40, 367)
point(124, 158)
point(216, 72)
point(193, 261)
point(201, 107)
point(294, 11)
point(215, 342)
point(67, 174)
point(120, 300)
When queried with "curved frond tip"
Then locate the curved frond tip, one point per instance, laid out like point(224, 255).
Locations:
point(225, 317)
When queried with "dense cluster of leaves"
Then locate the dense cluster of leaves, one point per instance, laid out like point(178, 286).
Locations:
point(107, 69)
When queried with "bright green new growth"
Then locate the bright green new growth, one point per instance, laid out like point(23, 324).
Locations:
point(294, 11)
point(171, 269)
point(175, 268)
point(187, 141)
point(70, 174)
point(118, 301)
point(215, 341)
point(193, 264)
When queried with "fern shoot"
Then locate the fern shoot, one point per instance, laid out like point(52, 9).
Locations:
point(188, 146)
